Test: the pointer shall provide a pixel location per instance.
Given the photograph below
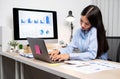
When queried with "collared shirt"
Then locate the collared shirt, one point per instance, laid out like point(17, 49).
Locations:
point(86, 42)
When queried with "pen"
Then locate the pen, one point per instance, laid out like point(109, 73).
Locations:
point(69, 63)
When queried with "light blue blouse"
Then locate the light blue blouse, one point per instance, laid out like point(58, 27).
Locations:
point(86, 42)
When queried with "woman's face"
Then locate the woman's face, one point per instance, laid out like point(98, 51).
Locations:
point(84, 22)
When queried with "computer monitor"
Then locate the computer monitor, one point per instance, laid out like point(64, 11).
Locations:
point(35, 23)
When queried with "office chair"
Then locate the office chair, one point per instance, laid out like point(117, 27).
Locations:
point(118, 54)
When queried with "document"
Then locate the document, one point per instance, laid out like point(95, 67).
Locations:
point(89, 67)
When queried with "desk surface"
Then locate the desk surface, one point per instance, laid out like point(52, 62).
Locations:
point(62, 72)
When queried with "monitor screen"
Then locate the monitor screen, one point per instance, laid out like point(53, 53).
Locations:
point(34, 23)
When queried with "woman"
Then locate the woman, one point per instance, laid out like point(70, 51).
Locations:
point(90, 39)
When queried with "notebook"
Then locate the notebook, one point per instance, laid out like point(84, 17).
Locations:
point(39, 49)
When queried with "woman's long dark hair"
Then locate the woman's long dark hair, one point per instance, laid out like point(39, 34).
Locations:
point(94, 16)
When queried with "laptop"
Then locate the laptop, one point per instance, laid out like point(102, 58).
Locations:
point(39, 49)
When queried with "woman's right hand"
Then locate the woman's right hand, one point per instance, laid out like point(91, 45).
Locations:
point(53, 53)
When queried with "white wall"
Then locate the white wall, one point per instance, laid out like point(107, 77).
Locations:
point(0, 39)
point(61, 6)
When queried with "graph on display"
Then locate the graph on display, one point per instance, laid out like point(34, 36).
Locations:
point(44, 20)
point(35, 24)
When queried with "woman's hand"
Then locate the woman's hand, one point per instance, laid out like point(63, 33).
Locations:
point(60, 57)
point(56, 56)
point(54, 52)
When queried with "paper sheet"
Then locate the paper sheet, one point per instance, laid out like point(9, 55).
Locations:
point(89, 67)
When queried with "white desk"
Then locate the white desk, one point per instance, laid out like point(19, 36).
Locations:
point(57, 70)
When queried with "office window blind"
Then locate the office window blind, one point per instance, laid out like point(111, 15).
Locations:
point(111, 16)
